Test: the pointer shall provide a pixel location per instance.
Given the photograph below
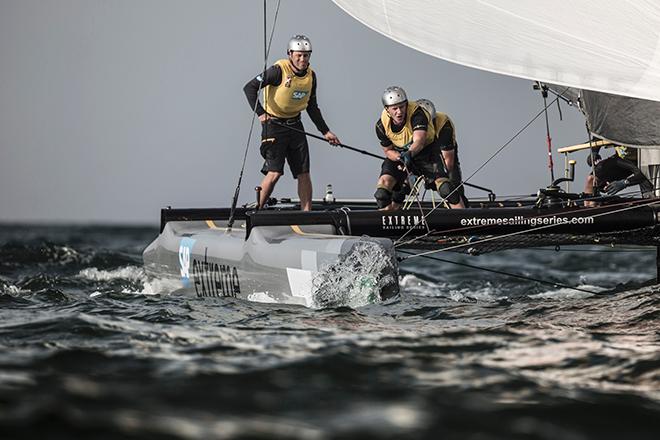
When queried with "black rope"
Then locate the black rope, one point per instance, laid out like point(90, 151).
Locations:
point(348, 147)
point(234, 202)
point(512, 275)
point(561, 118)
point(562, 97)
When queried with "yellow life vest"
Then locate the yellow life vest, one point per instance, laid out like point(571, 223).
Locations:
point(621, 151)
point(290, 97)
point(441, 119)
point(404, 138)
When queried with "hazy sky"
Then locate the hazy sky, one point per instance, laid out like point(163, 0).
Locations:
point(110, 110)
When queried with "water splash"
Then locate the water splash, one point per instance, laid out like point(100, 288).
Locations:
point(416, 286)
point(358, 278)
point(130, 273)
point(567, 293)
point(157, 286)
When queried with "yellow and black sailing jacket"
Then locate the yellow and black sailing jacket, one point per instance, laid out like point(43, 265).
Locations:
point(442, 119)
point(291, 96)
point(403, 138)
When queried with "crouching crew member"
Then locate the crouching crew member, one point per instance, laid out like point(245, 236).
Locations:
point(445, 133)
point(408, 138)
point(615, 173)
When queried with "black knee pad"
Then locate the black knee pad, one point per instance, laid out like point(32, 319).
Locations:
point(383, 197)
point(400, 195)
point(446, 191)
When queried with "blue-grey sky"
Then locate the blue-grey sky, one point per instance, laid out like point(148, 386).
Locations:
point(110, 110)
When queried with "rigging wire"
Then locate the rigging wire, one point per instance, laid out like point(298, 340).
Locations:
point(468, 229)
point(596, 251)
point(267, 47)
point(498, 151)
point(512, 234)
point(419, 203)
point(475, 228)
point(509, 274)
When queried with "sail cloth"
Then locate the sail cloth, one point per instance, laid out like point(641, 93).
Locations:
point(626, 121)
point(610, 46)
point(621, 120)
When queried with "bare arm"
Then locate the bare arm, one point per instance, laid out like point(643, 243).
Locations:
point(419, 137)
point(391, 153)
point(449, 157)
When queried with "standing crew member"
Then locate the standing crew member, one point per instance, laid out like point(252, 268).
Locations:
point(407, 135)
point(289, 88)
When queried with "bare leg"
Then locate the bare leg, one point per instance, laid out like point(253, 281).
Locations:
point(267, 187)
point(589, 189)
point(305, 191)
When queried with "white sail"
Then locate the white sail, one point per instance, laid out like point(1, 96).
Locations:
point(610, 46)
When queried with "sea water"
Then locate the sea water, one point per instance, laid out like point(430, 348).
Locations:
point(88, 350)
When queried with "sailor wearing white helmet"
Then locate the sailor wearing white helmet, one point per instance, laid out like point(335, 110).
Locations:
point(445, 134)
point(289, 88)
point(408, 137)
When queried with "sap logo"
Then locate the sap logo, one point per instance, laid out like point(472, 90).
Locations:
point(299, 94)
point(185, 249)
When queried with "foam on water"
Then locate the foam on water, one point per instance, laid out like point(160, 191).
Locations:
point(158, 286)
point(130, 273)
point(413, 285)
point(261, 297)
point(12, 289)
point(568, 293)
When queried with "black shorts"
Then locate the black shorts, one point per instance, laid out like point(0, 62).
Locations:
point(279, 143)
point(428, 163)
point(394, 169)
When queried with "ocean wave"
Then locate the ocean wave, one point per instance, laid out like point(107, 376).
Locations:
point(128, 273)
point(90, 347)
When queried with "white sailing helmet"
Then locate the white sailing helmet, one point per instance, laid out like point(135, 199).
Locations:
point(428, 106)
point(393, 95)
point(299, 43)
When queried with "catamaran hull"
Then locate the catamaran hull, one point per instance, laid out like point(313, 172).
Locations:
point(278, 264)
point(326, 257)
